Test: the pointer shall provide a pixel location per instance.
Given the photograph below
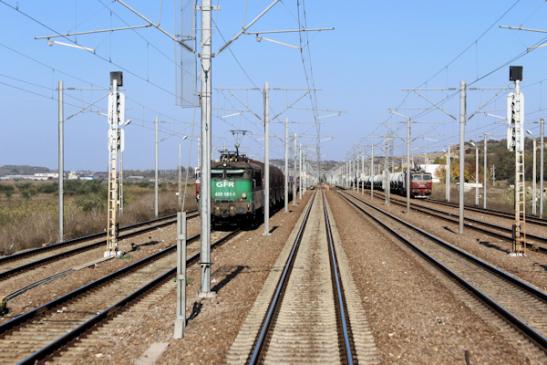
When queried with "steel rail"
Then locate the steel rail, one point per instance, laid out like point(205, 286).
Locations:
point(16, 321)
point(495, 212)
point(53, 346)
point(259, 344)
point(472, 223)
point(341, 306)
point(33, 251)
point(528, 330)
point(165, 221)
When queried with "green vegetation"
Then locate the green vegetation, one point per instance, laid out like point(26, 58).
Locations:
point(28, 210)
point(498, 155)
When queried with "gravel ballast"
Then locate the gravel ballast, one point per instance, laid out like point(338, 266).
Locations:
point(415, 319)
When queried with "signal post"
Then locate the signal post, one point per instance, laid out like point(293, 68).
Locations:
point(515, 142)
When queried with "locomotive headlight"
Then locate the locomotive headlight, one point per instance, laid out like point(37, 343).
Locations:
point(243, 195)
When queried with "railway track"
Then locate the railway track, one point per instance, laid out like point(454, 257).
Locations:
point(306, 317)
point(519, 303)
point(25, 260)
point(36, 334)
point(498, 213)
point(534, 242)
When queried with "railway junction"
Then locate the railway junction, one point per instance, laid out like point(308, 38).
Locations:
point(311, 291)
point(412, 232)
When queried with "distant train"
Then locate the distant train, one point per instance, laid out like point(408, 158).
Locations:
point(237, 189)
point(421, 183)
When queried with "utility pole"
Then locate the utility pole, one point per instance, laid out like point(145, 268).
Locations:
point(286, 165)
point(408, 142)
point(476, 175)
point(179, 179)
point(300, 173)
point(206, 118)
point(371, 172)
point(116, 113)
point(447, 177)
point(463, 120)
point(122, 147)
point(362, 172)
point(156, 187)
point(534, 179)
point(61, 158)
point(485, 172)
point(541, 164)
point(304, 173)
point(266, 159)
point(295, 158)
point(387, 189)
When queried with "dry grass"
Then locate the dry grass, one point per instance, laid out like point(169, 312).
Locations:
point(499, 197)
point(26, 223)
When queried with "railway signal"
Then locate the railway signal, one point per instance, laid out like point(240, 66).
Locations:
point(515, 142)
point(116, 115)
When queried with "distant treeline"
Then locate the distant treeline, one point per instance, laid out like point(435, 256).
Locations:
point(501, 158)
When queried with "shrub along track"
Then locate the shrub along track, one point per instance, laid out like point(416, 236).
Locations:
point(520, 304)
point(40, 332)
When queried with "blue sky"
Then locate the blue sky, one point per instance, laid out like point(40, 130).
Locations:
point(377, 49)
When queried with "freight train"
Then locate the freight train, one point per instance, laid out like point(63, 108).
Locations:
point(237, 189)
point(421, 183)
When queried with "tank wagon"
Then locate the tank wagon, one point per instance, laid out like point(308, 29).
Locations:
point(237, 189)
point(420, 183)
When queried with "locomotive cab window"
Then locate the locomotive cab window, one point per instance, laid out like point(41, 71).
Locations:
point(427, 177)
point(257, 177)
point(235, 173)
point(217, 174)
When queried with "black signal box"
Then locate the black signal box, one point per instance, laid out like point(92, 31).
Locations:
point(118, 76)
point(515, 73)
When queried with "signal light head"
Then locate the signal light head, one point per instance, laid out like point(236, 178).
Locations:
point(515, 73)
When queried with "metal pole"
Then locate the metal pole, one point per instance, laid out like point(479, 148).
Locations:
point(534, 179)
point(266, 159)
point(121, 176)
point(295, 157)
point(477, 175)
point(485, 174)
point(408, 142)
point(541, 166)
point(180, 320)
point(156, 187)
point(448, 175)
point(300, 173)
point(179, 180)
point(304, 173)
point(286, 165)
point(387, 189)
point(206, 118)
point(463, 118)
point(371, 172)
point(61, 158)
point(362, 172)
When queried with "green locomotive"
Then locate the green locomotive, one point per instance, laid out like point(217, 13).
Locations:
point(237, 189)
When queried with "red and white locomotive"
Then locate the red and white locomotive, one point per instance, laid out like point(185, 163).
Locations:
point(421, 183)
